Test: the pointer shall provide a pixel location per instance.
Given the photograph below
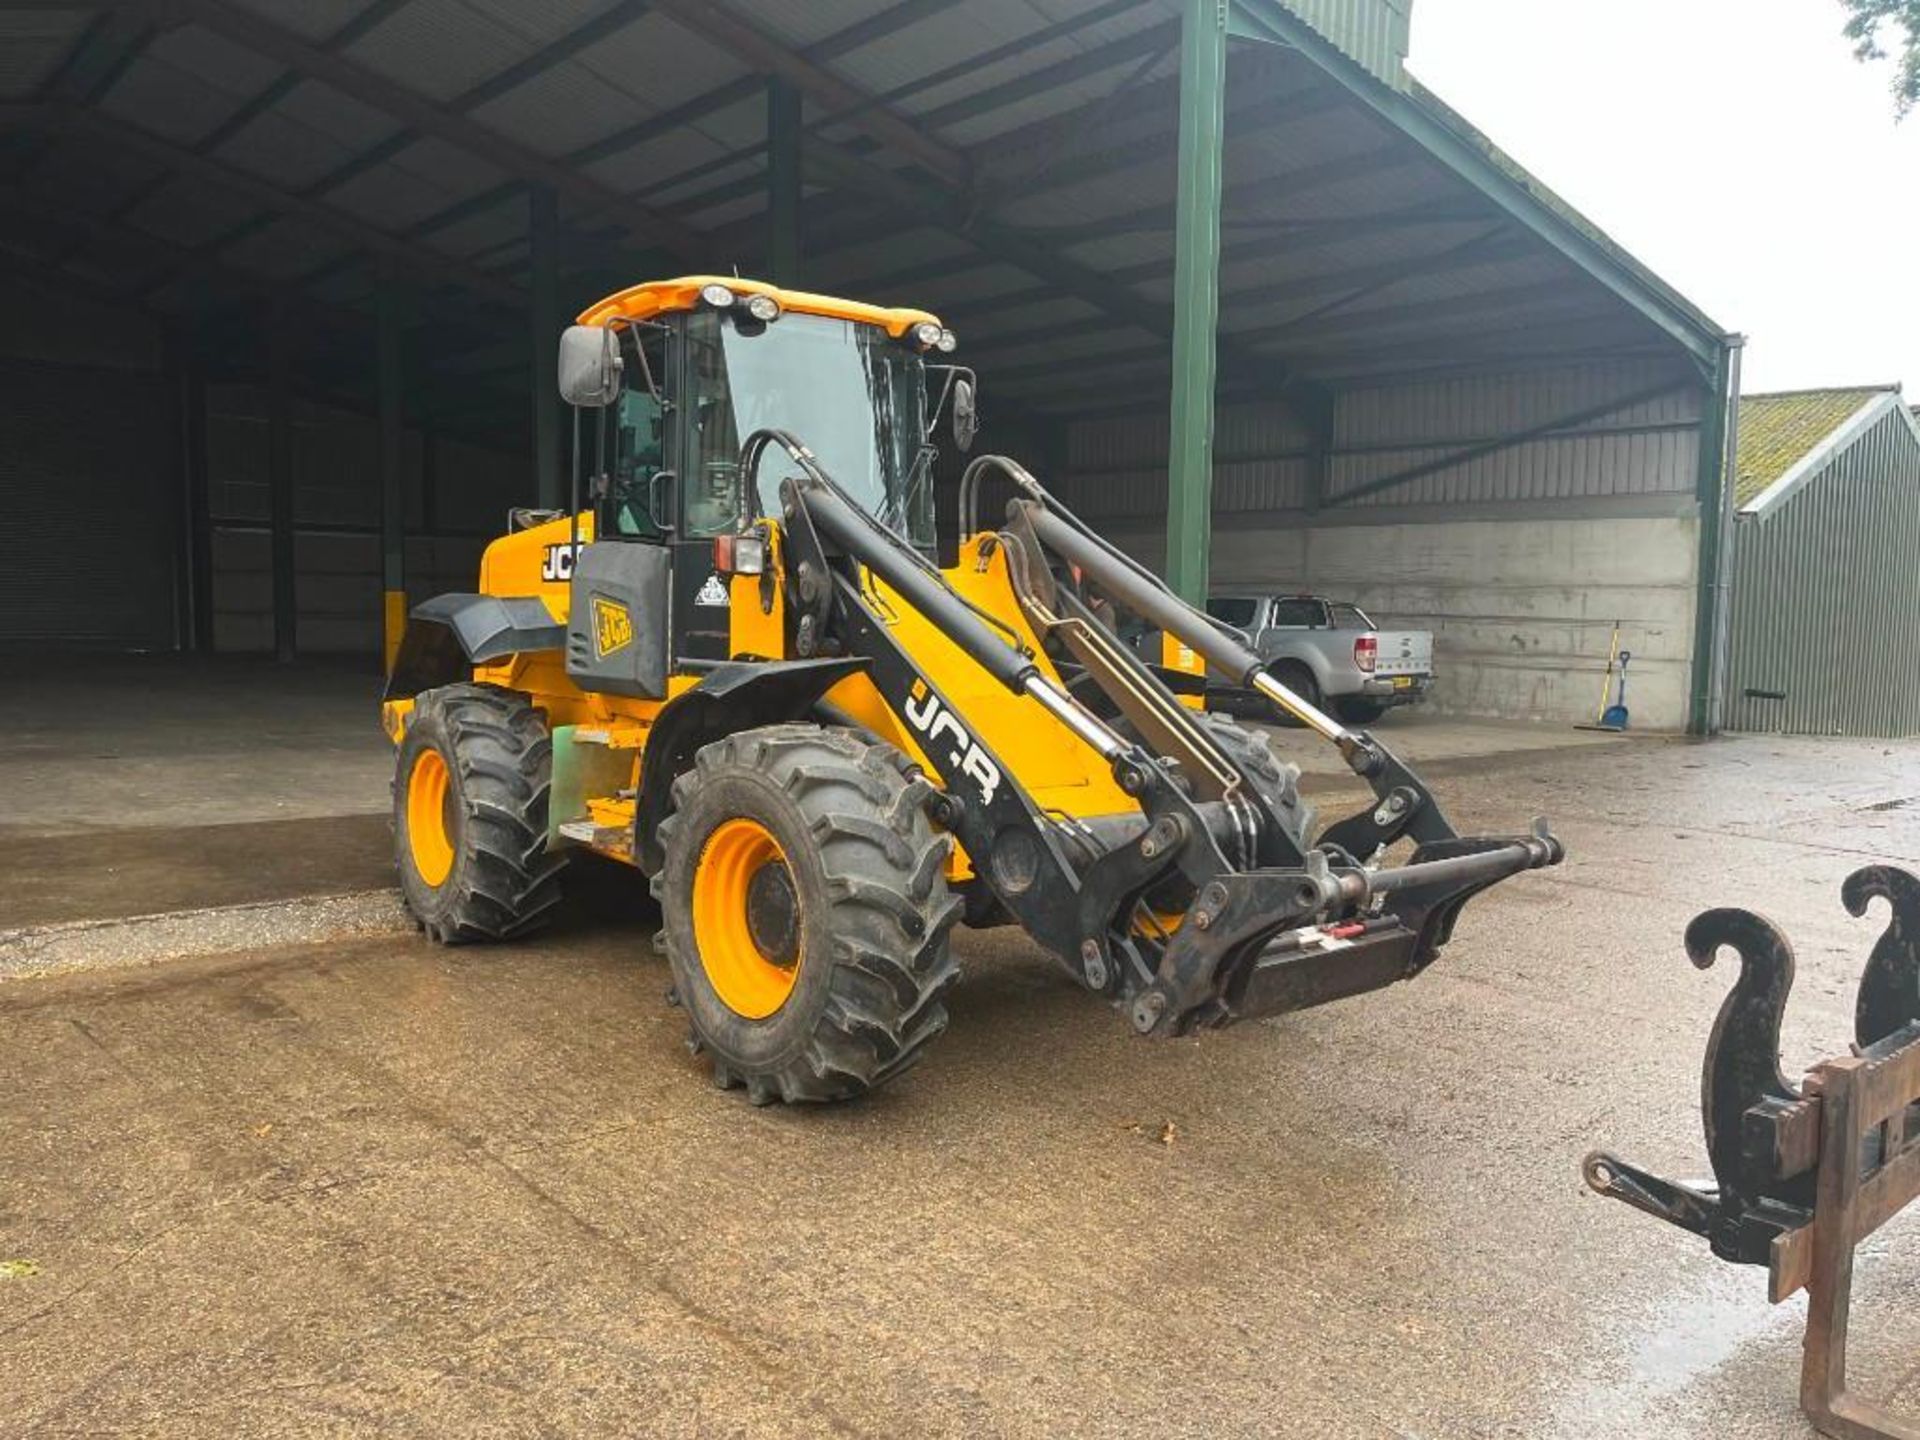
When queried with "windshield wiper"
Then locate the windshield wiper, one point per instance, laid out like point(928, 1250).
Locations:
point(910, 489)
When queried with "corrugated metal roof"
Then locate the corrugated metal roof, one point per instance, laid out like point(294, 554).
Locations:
point(1342, 234)
point(1780, 430)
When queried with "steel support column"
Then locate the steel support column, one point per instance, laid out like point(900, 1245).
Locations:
point(1716, 534)
point(543, 236)
point(280, 480)
point(197, 547)
point(1196, 292)
point(393, 486)
point(784, 162)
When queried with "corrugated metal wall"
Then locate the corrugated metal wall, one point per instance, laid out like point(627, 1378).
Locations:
point(1646, 449)
point(1117, 466)
point(91, 507)
point(1826, 598)
point(1374, 32)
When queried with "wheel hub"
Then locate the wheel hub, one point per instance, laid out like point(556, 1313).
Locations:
point(773, 913)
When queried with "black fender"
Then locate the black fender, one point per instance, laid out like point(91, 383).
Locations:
point(450, 634)
point(738, 695)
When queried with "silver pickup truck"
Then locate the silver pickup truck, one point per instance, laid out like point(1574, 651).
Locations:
point(1329, 653)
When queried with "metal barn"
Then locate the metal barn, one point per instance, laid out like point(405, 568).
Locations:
point(283, 282)
point(1825, 616)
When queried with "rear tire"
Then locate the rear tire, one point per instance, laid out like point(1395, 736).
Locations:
point(470, 792)
point(1360, 712)
point(806, 912)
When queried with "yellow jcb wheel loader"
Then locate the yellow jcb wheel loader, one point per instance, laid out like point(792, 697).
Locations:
point(734, 665)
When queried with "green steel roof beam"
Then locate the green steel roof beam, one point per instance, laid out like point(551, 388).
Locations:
point(1716, 533)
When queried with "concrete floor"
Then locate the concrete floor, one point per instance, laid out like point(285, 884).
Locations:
point(370, 1184)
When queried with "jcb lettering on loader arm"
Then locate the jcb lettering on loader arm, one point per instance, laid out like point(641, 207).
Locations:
point(825, 751)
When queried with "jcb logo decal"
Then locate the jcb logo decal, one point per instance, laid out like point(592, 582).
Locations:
point(557, 563)
point(933, 720)
point(612, 627)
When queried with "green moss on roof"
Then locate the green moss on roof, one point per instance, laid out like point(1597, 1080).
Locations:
point(1777, 431)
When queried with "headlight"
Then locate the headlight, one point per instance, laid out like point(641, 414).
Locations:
point(761, 307)
point(927, 334)
point(948, 342)
point(717, 295)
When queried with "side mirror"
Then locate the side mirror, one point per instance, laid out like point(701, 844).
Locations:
point(589, 366)
point(966, 415)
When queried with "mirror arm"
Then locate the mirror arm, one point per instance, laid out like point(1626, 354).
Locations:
point(646, 366)
point(939, 406)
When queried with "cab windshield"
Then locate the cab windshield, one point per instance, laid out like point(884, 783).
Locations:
point(851, 394)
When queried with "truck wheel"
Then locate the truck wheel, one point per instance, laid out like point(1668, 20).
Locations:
point(471, 782)
point(806, 912)
point(1356, 711)
point(1299, 679)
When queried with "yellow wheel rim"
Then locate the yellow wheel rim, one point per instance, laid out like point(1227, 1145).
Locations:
point(746, 918)
point(429, 836)
point(1152, 923)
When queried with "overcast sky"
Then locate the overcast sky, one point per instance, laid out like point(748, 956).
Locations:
point(1735, 146)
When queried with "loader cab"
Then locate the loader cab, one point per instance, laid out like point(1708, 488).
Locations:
point(669, 381)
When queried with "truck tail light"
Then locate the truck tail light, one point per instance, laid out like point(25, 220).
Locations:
point(739, 554)
point(1366, 653)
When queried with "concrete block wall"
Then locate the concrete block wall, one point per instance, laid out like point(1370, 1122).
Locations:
point(1518, 561)
point(1522, 611)
point(338, 584)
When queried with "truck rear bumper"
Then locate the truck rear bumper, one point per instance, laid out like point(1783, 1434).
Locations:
point(1383, 691)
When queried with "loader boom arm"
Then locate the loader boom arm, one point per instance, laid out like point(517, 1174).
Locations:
point(1267, 927)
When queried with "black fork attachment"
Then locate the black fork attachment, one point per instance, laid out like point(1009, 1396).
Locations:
point(1761, 1141)
point(1270, 924)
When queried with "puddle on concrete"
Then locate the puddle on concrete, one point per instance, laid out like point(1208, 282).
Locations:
point(1676, 1342)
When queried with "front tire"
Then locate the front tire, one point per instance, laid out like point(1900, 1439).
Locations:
point(806, 912)
point(1277, 780)
point(470, 792)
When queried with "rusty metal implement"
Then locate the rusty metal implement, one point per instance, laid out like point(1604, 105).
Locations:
point(1803, 1174)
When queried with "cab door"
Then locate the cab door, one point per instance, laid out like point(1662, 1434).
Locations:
point(620, 614)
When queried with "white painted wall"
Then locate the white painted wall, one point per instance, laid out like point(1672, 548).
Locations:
point(1521, 611)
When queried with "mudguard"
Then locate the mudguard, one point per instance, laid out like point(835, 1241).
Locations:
point(738, 695)
point(449, 634)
